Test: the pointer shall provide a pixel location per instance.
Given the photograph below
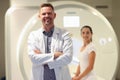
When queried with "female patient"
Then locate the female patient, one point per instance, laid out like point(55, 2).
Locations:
point(86, 56)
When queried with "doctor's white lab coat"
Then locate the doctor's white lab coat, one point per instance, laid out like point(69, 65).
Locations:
point(61, 41)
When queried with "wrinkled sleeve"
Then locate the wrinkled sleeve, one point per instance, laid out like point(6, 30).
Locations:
point(37, 59)
point(66, 57)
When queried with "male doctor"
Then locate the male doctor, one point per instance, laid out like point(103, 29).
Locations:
point(49, 48)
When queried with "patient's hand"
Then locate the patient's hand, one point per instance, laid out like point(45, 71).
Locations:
point(75, 78)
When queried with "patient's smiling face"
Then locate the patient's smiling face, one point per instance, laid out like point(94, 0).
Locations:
point(86, 34)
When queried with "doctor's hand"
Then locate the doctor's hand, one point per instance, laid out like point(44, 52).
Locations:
point(57, 54)
point(37, 51)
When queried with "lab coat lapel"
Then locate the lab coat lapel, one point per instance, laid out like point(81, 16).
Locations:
point(42, 43)
point(54, 39)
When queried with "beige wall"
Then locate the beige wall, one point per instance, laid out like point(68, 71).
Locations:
point(115, 21)
point(4, 5)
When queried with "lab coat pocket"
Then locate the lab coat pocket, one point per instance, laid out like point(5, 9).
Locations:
point(58, 72)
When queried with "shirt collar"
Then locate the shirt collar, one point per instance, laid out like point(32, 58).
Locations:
point(49, 34)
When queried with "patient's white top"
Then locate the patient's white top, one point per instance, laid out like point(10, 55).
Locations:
point(83, 57)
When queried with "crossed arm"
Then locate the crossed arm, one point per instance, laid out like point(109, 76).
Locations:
point(56, 59)
point(56, 54)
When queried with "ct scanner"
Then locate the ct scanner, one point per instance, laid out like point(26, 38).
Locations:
point(22, 18)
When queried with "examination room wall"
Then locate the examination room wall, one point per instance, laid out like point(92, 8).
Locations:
point(4, 5)
point(115, 21)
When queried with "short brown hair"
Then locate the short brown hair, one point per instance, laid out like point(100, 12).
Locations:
point(47, 5)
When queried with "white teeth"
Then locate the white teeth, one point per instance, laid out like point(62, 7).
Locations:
point(47, 22)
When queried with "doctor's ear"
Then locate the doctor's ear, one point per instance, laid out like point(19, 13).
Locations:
point(54, 15)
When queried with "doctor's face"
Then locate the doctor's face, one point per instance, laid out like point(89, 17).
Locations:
point(47, 16)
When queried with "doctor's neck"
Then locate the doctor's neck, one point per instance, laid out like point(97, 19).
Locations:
point(48, 28)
